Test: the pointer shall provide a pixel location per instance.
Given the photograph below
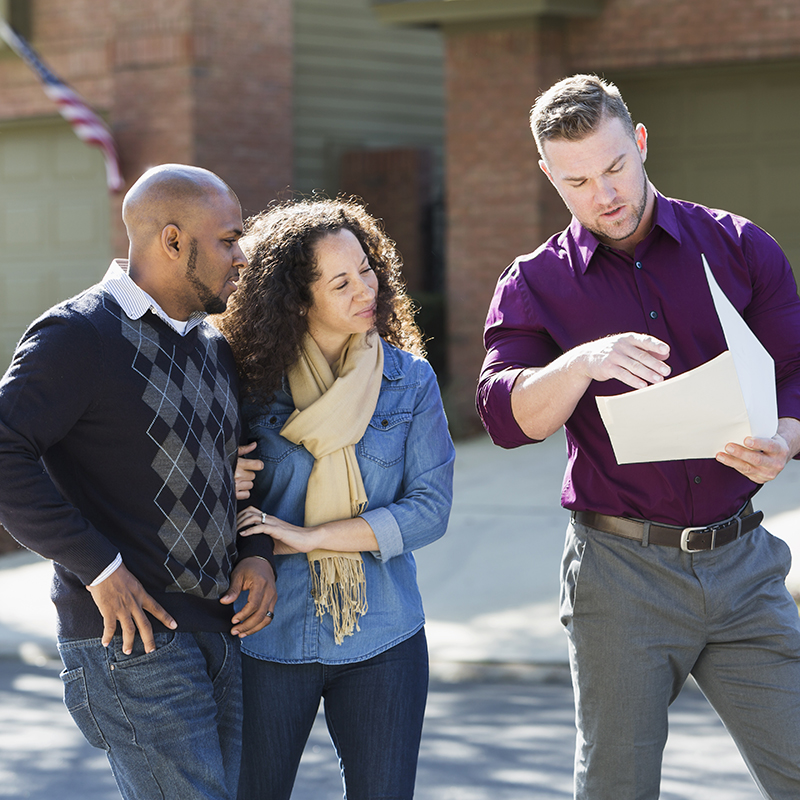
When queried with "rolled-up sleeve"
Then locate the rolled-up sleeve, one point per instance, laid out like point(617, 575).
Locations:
point(513, 344)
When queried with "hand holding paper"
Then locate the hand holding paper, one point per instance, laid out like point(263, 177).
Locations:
point(694, 415)
point(762, 459)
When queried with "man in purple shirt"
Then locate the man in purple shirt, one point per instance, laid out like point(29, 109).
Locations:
point(619, 300)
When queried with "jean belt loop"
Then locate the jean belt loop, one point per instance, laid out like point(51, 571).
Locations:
point(738, 526)
point(646, 534)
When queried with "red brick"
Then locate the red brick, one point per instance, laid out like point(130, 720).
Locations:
point(192, 81)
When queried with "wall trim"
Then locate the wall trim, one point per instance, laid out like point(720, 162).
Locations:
point(421, 12)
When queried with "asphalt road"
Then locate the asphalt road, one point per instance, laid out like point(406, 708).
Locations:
point(493, 739)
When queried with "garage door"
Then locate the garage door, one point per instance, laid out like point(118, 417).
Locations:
point(727, 138)
point(54, 223)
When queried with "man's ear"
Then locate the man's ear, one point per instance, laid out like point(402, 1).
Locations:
point(641, 140)
point(546, 171)
point(172, 241)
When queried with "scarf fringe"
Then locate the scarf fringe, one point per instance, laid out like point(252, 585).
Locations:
point(340, 588)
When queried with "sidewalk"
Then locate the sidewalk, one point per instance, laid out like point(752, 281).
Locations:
point(490, 585)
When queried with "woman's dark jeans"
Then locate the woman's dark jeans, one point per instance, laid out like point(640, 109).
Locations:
point(373, 708)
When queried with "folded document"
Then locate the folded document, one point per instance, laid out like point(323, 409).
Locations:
point(694, 415)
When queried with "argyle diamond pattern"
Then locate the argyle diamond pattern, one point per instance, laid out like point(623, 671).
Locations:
point(194, 427)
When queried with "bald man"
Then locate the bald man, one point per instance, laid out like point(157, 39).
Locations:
point(127, 397)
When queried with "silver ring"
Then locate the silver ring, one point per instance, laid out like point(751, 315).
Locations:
point(263, 517)
point(270, 615)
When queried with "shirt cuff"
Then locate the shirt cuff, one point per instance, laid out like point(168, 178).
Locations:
point(112, 567)
point(494, 408)
point(387, 532)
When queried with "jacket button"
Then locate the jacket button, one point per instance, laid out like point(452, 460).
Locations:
point(273, 420)
point(384, 422)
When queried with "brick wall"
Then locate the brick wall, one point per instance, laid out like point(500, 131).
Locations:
point(498, 204)
point(193, 81)
point(644, 33)
point(243, 96)
point(205, 83)
point(72, 36)
point(396, 186)
point(151, 55)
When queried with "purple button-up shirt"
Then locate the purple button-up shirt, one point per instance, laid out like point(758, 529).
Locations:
point(574, 289)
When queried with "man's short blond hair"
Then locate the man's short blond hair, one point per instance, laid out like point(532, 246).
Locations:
point(574, 107)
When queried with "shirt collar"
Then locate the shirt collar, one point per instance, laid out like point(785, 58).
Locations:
point(587, 243)
point(391, 362)
point(135, 301)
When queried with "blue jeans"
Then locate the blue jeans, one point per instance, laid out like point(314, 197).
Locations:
point(373, 708)
point(169, 721)
point(641, 619)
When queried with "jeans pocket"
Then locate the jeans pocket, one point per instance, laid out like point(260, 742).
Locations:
point(76, 699)
point(138, 655)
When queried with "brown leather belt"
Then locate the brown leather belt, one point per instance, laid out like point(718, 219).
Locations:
point(690, 540)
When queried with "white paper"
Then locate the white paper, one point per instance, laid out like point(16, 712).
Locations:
point(694, 415)
point(754, 365)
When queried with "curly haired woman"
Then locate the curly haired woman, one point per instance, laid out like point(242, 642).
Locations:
point(349, 424)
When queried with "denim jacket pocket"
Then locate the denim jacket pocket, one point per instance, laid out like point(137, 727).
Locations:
point(266, 429)
point(384, 441)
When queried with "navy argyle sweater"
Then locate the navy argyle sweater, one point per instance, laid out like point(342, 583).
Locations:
point(136, 428)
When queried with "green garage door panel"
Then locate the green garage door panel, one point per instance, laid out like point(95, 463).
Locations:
point(726, 137)
point(54, 223)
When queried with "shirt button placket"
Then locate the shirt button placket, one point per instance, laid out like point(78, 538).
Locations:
point(640, 266)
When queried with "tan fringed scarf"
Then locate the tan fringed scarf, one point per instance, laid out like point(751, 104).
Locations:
point(331, 415)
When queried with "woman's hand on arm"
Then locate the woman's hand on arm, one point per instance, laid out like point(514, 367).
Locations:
point(245, 472)
point(344, 535)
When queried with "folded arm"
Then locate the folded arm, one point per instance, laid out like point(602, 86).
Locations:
point(543, 399)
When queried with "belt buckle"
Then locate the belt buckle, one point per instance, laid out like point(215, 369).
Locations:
point(687, 531)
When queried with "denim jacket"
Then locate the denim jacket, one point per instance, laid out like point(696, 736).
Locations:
point(406, 459)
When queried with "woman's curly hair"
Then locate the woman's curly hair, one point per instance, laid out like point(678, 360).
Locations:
point(264, 321)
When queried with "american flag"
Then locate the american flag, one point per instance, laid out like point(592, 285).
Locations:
point(87, 125)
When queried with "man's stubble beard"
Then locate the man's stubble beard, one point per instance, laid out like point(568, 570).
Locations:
point(638, 214)
point(212, 303)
